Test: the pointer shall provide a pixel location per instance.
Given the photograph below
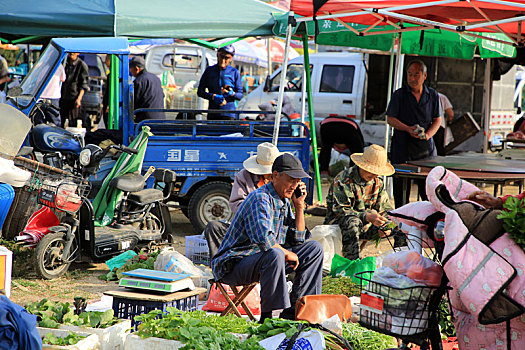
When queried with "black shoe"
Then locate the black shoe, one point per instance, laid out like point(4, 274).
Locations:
point(264, 316)
point(288, 314)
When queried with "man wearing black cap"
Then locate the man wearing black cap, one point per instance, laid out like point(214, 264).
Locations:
point(266, 241)
point(147, 90)
point(223, 84)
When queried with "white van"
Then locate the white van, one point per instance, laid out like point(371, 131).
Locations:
point(338, 85)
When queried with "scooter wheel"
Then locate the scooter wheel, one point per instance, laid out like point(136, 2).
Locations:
point(48, 256)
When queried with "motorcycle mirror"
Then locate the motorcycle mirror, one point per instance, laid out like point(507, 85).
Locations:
point(129, 150)
point(14, 91)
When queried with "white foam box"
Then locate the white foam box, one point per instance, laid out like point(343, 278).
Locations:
point(6, 266)
point(110, 338)
point(90, 342)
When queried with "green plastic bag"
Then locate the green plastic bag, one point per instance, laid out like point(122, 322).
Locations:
point(342, 266)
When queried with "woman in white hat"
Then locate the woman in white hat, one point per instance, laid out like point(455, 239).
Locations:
point(357, 199)
point(256, 173)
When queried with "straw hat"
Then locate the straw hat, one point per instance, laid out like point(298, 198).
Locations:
point(373, 160)
point(261, 163)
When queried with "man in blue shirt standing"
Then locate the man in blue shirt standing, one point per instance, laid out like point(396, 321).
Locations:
point(414, 114)
point(265, 241)
point(221, 85)
point(148, 91)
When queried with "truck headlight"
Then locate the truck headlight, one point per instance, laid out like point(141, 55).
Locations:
point(85, 157)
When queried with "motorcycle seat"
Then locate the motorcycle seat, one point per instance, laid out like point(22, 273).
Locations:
point(148, 195)
point(131, 182)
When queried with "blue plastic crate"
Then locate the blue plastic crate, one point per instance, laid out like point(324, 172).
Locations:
point(125, 308)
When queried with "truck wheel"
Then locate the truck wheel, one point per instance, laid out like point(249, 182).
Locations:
point(48, 256)
point(210, 202)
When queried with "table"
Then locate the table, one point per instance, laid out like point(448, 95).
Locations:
point(516, 143)
point(473, 167)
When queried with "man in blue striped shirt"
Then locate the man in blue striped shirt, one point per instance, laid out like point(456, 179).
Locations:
point(266, 241)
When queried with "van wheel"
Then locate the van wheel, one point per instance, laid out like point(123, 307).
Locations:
point(210, 202)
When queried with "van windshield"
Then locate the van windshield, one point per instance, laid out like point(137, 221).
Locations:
point(294, 78)
point(34, 81)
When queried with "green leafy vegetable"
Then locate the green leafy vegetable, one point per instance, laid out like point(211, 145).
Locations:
point(340, 285)
point(513, 217)
point(70, 339)
point(446, 326)
point(362, 338)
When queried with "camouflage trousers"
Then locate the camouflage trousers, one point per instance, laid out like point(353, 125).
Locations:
point(352, 231)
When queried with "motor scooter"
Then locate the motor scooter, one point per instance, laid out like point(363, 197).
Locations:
point(141, 217)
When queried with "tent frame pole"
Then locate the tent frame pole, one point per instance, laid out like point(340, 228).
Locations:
point(311, 116)
point(284, 68)
point(487, 101)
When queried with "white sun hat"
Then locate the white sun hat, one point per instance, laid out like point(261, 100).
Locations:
point(261, 163)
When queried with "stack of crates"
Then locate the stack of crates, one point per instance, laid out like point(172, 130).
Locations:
point(197, 250)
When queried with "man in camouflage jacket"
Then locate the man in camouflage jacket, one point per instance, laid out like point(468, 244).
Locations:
point(357, 199)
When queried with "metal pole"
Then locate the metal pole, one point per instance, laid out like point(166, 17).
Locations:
point(111, 99)
point(312, 119)
point(283, 80)
point(487, 101)
point(303, 98)
point(389, 89)
point(269, 53)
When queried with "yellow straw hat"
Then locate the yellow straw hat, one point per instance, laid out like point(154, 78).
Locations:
point(374, 160)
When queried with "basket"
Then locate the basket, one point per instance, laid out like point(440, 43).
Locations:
point(396, 311)
point(25, 201)
point(63, 192)
point(197, 250)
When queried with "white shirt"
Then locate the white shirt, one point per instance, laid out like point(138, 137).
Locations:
point(444, 104)
point(52, 89)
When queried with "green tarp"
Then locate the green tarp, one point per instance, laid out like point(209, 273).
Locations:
point(133, 18)
point(433, 42)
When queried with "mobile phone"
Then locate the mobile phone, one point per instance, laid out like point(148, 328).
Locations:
point(297, 192)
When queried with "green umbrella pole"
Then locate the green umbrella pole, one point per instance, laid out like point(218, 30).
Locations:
point(311, 116)
point(113, 93)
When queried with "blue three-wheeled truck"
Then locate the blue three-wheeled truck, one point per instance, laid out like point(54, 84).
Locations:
point(205, 155)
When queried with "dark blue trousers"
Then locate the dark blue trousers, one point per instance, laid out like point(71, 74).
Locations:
point(269, 268)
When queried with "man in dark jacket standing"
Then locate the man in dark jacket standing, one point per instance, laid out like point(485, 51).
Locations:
point(147, 90)
point(223, 85)
point(73, 90)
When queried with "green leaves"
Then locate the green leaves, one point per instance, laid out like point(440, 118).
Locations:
point(70, 339)
point(340, 285)
point(513, 216)
point(196, 329)
point(52, 314)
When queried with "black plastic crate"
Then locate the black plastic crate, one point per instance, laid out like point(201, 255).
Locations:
point(124, 308)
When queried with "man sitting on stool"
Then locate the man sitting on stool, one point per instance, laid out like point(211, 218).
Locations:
point(266, 241)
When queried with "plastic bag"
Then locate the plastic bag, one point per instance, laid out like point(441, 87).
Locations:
point(120, 260)
point(173, 261)
point(312, 339)
point(413, 265)
point(342, 266)
point(217, 302)
point(331, 239)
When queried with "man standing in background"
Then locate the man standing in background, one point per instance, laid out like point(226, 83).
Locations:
point(73, 89)
point(148, 91)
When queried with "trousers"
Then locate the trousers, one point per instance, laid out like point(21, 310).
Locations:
point(269, 268)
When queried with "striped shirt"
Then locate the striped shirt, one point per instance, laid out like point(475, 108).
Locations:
point(262, 220)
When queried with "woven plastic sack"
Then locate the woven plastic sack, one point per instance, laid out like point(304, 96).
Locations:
point(342, 266)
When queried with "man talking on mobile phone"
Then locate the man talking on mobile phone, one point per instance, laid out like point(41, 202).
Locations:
point(265, 241)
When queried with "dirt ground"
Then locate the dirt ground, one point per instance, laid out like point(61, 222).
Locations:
point(82, 280)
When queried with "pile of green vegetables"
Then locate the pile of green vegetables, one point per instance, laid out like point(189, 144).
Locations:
point(195, 329)
point(140, 261)
point(70, 339)
point(340, 285)
point(274, 326)
point(446, 324)
point(52, 314)
point(513, 217)
point(362, 338)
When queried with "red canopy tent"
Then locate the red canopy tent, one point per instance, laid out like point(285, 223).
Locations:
point(455, 15)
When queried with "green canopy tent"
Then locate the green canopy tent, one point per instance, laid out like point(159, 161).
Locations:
point(135, 19)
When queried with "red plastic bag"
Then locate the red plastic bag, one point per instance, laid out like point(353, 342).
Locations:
point(416, 267)
point(39, 223)
point(217, 302)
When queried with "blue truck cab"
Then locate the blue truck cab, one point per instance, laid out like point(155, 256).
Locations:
point(205, 155)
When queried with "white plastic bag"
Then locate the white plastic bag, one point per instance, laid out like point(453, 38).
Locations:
point(312, 339)
point(331, 239)
point(173, 261)
point(338, 157)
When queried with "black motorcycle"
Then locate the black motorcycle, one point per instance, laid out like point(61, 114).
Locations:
point(141, 217)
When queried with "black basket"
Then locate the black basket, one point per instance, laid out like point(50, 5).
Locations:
point(25, 202)
point(396, 311)
point(63, 192)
